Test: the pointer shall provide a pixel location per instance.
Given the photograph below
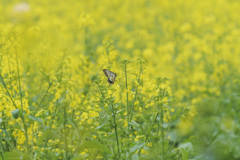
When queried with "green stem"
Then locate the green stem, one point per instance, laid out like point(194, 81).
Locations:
point(135, 96)
point(127, 104)
point(162, 129)
point(20, 93)
point(32, 142)
point(50, 127)
point(3, 83)
point(19, 83)
point(12, 147)
point(151, 128)
point(149, 131)
point(65, 127)
point(50, 84)
point(1, 152)
point(169, 126)
point(104, 112)
point(158, 127)
point(173, 144)
point(9, 68)
point(103, 100)
point(2, 155)
point(4, 128)
point(115, 127)
point(65, 133)
point(25, 127)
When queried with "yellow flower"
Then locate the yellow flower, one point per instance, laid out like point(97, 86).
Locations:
point(172, 110)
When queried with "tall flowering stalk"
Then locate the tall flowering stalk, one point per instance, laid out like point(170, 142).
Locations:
point(160, 107)
point(125, 65)
point(141, 65)
point(110, 100)
point(161, 95)
point(13, 39)
point(65, 106)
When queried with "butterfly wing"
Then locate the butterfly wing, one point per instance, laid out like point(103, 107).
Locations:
point(109, 73)
point(105, 71)
point(111, 76)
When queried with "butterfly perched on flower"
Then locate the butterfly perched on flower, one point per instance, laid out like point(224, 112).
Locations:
point(111, 76)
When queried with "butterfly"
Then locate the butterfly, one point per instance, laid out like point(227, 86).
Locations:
point(111, 76)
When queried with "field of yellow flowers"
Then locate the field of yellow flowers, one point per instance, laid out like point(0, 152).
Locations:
point(176, 93)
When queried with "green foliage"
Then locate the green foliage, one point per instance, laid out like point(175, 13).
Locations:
point(15, 113)
point(10, 156)
point(93, 144)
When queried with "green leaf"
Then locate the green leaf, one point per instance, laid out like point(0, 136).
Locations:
point(79, 157)
point(167, 106)
point(15, 113)
point(187, 146)
point(10, 156)
point(47, 133)
point(184, 154)
point(174, 116)
point(93, 144)
point(136, 147)
point(164, 125)
point(135, 124)
point(25, 157)
point(135, 156)
point(103, 125)
point(50, 156)
point(121, 132)
point(37, 119)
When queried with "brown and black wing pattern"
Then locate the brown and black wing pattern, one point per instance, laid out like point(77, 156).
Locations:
point(111, 76)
